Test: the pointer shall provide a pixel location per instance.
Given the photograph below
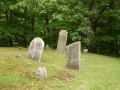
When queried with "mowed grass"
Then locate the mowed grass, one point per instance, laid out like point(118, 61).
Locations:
point(97, 72)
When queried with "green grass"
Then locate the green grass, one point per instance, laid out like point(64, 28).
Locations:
point(97, 72)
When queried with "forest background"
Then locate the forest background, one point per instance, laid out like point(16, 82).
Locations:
point(96, 23)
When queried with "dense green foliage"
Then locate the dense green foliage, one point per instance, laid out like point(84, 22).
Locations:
point(94, 23)
point(108, 32)
point(23, 20)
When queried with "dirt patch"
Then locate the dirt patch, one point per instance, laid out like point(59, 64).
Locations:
point(8, 87)
point(64, 76)
point(30, 75)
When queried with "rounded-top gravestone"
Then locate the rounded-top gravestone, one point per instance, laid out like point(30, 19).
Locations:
point(35, 49)
point(41, 72)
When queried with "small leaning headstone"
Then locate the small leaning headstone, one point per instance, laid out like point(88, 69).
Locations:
point(18, 56)
point(47, 47)
point(41, 72)
point(19, 48)
point(36, 49)
point(73, 56)
point(85, 50)
point(62, 39)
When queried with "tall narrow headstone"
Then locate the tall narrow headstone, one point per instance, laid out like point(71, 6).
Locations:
point(73, 53)
point(62, 41)
point(35, 49)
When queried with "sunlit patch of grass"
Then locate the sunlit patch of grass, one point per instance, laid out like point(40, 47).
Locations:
point(97, 72)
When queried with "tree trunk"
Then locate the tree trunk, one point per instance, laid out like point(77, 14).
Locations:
point(92, 47)
point(25, 21)
point(117, 49)
point(7, 18)
point(47, 22)
point(10, 24)
point(33, 22)
point(11, 42)
point(25, 14)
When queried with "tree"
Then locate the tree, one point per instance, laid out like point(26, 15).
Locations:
point(96, 9)
point(73, 16)
point(85, 20)
point(108, 38)
point(6, 22)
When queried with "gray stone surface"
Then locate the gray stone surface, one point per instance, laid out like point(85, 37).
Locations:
point(41, 72)
point(73, 53)
point(36, 49)
point(85, 50)
point(47, 47)
point(18, 56)
point(19, 48)
point(62, 41)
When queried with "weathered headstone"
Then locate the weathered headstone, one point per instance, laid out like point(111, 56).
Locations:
point(41, 72)
point(85, 50)
point(19, 48)
point(35, 49)
point(18, 56)
point(47, 47)
point(62, 41)
point(73, 52)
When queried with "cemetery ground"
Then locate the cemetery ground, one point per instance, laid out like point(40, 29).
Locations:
point(97, 72)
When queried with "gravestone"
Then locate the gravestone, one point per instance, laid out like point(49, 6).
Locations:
point(85, 50)
point(47, 47)
point(19, 48)
point(41, 72)
point(73, 52)
point(18, 56)
point(62, 41)
point(35, 49)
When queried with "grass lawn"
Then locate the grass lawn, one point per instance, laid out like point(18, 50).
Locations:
point(97, 72)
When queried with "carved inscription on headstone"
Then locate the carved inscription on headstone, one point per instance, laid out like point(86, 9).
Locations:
point(62, 41)
point(73, 56)
point(35, 49)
